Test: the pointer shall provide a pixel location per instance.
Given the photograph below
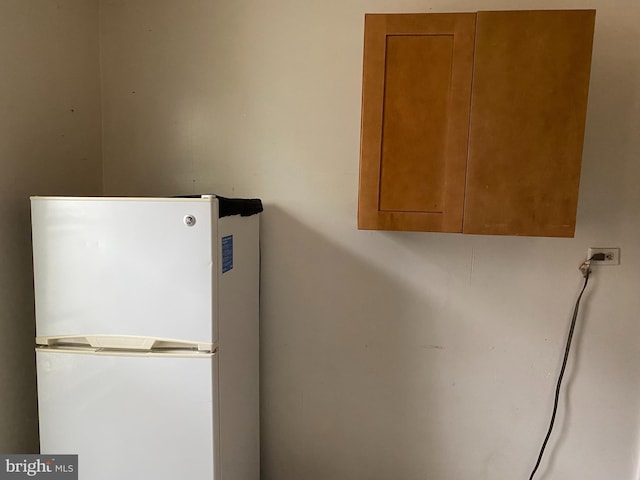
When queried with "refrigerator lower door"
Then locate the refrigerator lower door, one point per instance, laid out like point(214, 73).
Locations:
point(130, 417)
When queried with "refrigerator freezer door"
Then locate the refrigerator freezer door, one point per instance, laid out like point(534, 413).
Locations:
point(130, 418)
point(136, 267)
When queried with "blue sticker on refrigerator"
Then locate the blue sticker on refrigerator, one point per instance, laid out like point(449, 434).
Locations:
point(227, 253)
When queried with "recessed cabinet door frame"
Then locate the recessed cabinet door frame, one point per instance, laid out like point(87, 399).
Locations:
point(416, 99)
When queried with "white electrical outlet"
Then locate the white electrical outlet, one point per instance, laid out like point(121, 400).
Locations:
point(611, 256)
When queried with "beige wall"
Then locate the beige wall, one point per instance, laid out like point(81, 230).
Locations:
point(49, 144)
point(387, 355)
point(384, 355)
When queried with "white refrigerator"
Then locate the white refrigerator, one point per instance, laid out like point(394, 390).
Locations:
point(147, 335)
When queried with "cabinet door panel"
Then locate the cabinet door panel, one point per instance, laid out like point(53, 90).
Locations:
point(418, 73)
point(529, 98)
point(415, 111)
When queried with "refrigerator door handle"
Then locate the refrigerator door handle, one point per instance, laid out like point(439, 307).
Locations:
point(125, 342)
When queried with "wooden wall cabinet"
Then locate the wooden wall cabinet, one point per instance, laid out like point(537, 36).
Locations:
point(474, 122)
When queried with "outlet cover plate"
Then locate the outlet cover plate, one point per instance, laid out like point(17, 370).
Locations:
point(612, 255)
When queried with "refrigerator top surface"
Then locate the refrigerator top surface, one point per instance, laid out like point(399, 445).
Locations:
point(225, 207)
point(199, 198)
